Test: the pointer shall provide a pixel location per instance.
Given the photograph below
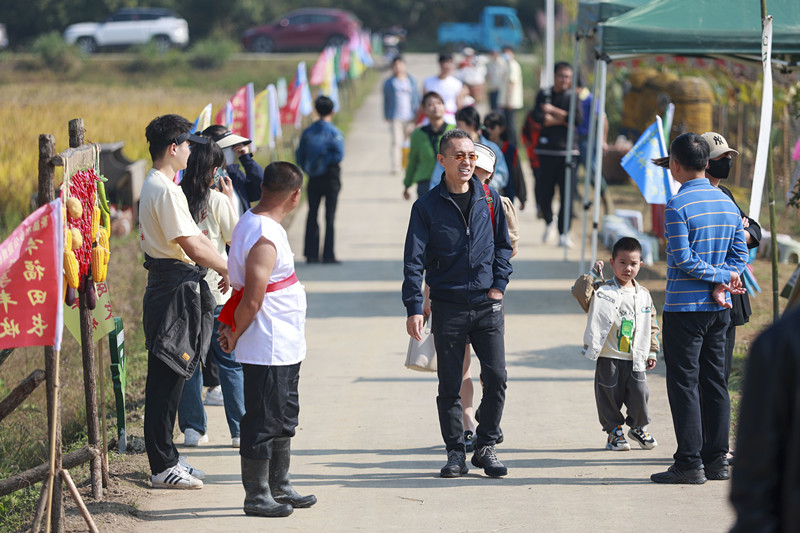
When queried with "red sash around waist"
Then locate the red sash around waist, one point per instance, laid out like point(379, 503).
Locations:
point(226, 314)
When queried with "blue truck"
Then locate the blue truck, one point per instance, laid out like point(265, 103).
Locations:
point(498, 26)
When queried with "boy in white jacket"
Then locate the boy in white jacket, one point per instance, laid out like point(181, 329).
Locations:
point(622, 336)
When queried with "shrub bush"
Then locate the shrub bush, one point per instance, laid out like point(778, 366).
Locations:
point(148, 58)
point(212, 53)
point(53, 53)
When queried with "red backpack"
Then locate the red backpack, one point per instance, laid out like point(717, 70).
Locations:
point(530, 137)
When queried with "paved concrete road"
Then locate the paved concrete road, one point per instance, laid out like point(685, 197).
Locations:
point(369, 445)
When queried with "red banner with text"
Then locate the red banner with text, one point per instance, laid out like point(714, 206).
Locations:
point(31, 281)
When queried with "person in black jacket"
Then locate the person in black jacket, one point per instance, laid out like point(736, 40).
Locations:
point(247, 183)
point(551, 111)
point(720, 161)
point(458, 237)
point(766, 481)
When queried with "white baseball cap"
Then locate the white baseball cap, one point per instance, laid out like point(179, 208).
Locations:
point(717, 145)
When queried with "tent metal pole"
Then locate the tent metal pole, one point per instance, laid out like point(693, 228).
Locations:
point(598, 162)
point(571, 162)
point(589, 158)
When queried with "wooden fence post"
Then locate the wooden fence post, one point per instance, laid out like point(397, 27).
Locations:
point(47, 150)
point(76, 139)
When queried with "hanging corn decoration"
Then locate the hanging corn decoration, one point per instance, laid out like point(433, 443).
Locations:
point(99, 263)
point(95, 222)
point(102, 241)
point(71, 269)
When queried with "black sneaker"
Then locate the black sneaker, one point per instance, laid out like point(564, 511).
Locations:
point(674, 476)
point(469, 441)
point(486, 458)
point(456, 464)
point(718, 469)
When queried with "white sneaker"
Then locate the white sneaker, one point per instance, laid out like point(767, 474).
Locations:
point(565, 242)
point(548, 232)
point(192, 437)
point(195, 473)
point(175, 477)
point(214, 396)
point(235, 441)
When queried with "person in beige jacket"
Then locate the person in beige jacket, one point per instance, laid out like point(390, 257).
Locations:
point(622, 336)
point(510, 98)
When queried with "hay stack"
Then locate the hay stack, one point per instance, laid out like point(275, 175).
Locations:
point(632, 101)
point(694, 105)
point(656, 96)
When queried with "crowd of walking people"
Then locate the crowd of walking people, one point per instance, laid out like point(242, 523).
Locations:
point(202, 238)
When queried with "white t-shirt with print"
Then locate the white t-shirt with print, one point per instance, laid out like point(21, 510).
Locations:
point(449, 89)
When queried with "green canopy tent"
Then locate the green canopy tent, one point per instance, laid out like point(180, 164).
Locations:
point(703, 28)
point(593, 12)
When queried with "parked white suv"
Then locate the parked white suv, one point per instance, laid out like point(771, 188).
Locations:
point(131, 26)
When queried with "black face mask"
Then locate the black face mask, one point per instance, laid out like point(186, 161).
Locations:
point(720, 168)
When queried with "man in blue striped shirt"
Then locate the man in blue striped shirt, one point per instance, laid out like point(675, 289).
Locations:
point(705, 248)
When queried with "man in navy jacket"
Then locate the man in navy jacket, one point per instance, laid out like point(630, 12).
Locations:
point(458, 237)
point(320, 154)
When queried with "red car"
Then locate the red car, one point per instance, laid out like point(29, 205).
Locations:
point(311, 28)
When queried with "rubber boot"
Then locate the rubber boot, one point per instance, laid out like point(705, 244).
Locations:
point(258, 498)
point(282, 489)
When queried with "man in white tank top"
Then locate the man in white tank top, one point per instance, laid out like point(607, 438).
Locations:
point(265, 322)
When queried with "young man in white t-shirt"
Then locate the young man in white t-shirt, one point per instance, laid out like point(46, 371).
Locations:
point(267, 328)
point(177, 255)
point(446, 85)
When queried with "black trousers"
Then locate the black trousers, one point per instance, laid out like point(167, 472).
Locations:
point(451, 325)
point(271, 407)
point(551, 173)
point(210, 372)
point(328, 186)
point(162, 395)
point(694, 355)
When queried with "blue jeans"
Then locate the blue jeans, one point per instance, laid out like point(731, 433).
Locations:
point(191, 413)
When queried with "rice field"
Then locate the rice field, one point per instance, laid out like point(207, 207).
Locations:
point(110, 114)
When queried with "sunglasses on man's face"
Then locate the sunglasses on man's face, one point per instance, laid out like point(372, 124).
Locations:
point(461, 156)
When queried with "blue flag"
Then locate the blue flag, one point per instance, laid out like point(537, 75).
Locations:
point(652, 180)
